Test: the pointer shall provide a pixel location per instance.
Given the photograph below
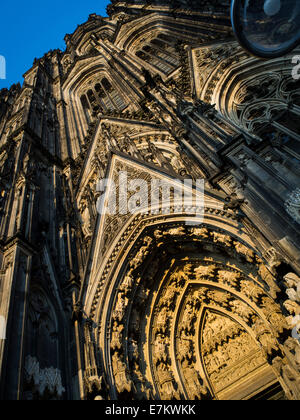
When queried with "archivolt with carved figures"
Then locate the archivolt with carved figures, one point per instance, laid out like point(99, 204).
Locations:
point(194, 315)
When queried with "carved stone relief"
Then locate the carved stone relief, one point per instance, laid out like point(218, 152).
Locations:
point(193, 322)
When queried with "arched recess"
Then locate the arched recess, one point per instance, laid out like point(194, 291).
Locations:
point(154, 40)
point(90, 90)
point(152, 317)
point(42, 367)
point(262, 98)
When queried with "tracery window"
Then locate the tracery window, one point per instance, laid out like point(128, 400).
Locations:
point(268, 107)
point(160, 53)
point(103, 97)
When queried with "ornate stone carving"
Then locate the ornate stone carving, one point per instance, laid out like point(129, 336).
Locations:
point(251, 290)
point(229, 277)
point(247, 253)
point(197, 389)
point(205, 272)
point(117, 338)
point(292, 305)
point(48, 379)
point(166, 382)
point(161, 348)
point(120, 308)
point(162, 320)
point(188, 318)
point(124, 384)
point(185, 347)
point(222, 239)
point(289, 376)
point(265, 337)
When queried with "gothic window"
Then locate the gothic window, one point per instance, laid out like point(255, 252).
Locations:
point(104, 97)
point(92, 99)
point(261, 105)
point(164, 53)
point(290, 91)
point(160, 54)
point(86, 107)
point(106, 85)
point(114, 95)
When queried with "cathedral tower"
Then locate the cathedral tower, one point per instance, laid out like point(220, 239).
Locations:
point(152, 304)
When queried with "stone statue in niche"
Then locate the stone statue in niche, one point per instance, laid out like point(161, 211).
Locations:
point(274, 315)
point(151, 271)
point(179, 278)
point(269, 279)
point(205, 272)
point(293, 347)
point(293, 308)
point(161, 348)
point(219, 298)
point(86, 220)
point(196, 387)
point(200, 232)
point(127, 284)
point(200, 296)
point(124, 384)
point(292, 284)
point(142, 253)
point(170, 295)
point(116, 340)
point(251, 290)
point(268, 342)
point(230, 277)
point(185, 347)
point(292, 304)
point(162, 320)
point(177, 231)
point(120, 307)
point(220, 238)
point(166, 381)
point(247, 253)
point(242, 309)
point(142, 295)
point(187, 323)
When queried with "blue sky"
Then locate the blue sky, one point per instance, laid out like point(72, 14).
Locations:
point(29, 29)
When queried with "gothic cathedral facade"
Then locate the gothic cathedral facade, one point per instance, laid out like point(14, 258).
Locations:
point(152, 305)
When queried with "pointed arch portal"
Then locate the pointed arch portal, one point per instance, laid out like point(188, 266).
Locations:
point(190, 314)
